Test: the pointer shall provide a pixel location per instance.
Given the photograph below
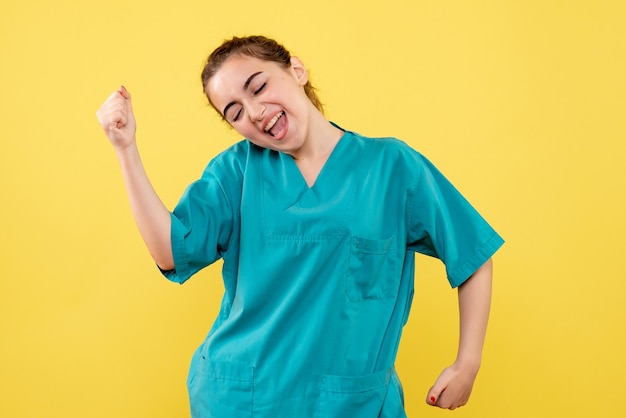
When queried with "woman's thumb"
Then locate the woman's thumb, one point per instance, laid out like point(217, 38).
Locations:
point(125, 94)
point(433, 395)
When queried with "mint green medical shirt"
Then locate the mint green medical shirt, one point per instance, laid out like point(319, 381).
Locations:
point(318, 280)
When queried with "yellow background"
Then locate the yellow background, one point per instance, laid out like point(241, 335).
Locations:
point(521, 103)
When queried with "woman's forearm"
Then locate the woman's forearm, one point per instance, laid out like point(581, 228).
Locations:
point(474, 306)
point(453, 387)
point(151, 216)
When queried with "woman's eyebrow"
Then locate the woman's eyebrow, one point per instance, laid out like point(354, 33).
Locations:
point(245, 86)
point(249, 80)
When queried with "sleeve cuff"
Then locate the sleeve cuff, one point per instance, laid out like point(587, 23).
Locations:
point(459, 275)
point(181, 271)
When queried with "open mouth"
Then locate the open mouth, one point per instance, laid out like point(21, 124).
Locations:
point(276, 124)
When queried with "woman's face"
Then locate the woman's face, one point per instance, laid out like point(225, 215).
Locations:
point(263, 101)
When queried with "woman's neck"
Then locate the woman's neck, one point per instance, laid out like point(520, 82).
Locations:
point(320, 143)
point(321, 140)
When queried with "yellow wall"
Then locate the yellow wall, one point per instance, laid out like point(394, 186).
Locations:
point(521, 103)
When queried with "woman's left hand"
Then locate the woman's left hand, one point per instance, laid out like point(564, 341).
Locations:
point(453, 387)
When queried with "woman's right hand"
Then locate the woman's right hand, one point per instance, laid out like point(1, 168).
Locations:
point(117, 119)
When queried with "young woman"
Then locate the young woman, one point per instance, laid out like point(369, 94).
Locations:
point(317, 226)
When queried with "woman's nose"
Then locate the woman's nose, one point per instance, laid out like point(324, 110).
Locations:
point(256, 111)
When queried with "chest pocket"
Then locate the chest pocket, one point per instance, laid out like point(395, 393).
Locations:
point(372, 271)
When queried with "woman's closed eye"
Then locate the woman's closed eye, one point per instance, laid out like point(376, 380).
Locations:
point(257, 91)
point(237, 115)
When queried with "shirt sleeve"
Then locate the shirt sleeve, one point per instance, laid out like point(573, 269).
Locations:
point(443, 224)
point(203, 221)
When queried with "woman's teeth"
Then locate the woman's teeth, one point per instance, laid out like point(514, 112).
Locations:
point(272, 122)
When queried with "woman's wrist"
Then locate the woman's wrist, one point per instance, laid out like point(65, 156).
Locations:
point(468, 363)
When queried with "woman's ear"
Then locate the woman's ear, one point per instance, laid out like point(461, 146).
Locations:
point(299, 71)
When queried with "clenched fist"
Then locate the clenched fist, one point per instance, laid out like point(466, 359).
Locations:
point(117, 119)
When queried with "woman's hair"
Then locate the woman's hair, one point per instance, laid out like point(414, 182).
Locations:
point(253, 46)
